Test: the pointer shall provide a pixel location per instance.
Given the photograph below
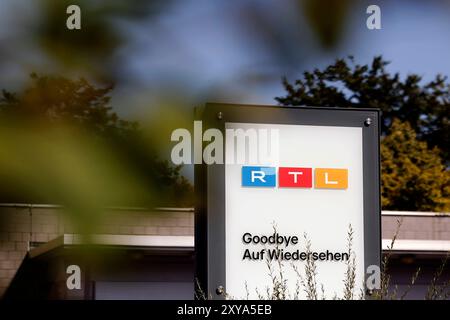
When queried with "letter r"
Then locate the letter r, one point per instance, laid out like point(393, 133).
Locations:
point(258, 175)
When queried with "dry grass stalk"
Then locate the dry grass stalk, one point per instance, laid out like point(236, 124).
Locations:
point(198, 291)
point(383, 292)
point(413, 281)
point(350, 274)
point(310, 284)
point(435, 291)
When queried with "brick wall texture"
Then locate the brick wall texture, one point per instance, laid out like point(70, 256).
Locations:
point(22, 226)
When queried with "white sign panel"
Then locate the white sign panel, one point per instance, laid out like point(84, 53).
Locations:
point(315, 187)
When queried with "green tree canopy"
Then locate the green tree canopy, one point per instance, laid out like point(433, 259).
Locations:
point(415, 125)
point(413, 176)
point(85, 108)
point(53, 99)
point(347, 84)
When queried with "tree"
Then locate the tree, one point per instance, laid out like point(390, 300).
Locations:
point(54, 99)
point(415, 125)
point(85, 109)
point(413, 176)
point(346, 84)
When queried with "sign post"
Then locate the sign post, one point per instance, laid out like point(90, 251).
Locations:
point(313, 177)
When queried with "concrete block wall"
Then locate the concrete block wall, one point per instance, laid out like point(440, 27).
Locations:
point(417, 227)
point(15, 228)
point(22, 226)
point(164, 222)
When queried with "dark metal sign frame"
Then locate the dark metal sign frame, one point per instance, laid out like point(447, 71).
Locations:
point(210, 181)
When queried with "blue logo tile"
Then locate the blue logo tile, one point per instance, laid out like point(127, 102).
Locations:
point(258, 176)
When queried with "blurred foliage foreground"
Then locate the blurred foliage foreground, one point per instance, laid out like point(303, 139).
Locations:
point(61, 143)
point(415, 126)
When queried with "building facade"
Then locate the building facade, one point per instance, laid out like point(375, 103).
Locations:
point(136, 253)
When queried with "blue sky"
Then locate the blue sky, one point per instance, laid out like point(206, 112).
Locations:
point(199, 51)
point(202, 47)
point(206, 50)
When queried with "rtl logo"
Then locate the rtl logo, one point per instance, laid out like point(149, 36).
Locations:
point(290, 177)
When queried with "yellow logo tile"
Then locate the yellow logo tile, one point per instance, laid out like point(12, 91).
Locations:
point(331, 178)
